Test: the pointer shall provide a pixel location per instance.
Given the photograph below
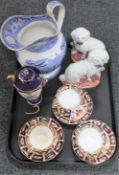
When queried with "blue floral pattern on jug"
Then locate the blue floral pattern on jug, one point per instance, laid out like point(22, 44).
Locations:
point(14, 24)
point(43, 45)
point(46, 65)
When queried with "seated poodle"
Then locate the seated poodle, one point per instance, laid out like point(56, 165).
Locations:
point(83, 41)
point(92, 66)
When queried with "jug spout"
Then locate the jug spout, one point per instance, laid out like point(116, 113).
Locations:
point(28, 32)
point(33, 32)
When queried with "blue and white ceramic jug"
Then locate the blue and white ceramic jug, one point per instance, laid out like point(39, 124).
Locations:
point(37, 40)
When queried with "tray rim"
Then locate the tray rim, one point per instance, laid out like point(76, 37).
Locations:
point(11, 155)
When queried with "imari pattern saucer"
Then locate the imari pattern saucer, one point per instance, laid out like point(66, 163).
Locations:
point(72, 105)
point(93, 141)
point(41, 139)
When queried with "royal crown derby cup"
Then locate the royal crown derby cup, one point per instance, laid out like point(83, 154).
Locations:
point(37, 39)
point(29, 83)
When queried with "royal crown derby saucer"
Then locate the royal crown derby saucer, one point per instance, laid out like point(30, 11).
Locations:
point(41, 139)
point(72, 105)
point(93, 141)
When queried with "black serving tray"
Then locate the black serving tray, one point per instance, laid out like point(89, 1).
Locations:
point(103, 106)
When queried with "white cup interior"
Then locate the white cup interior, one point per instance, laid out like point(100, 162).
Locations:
point(69, 98)
point(41, 137)
point(90, 140)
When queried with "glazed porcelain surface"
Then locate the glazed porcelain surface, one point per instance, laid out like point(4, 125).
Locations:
point(86, 73)
point(71, 105)
point(37, 40)
point(93, 141)
point(28, 83)
point(84, 42)
point(90, 56)
point(41, 139)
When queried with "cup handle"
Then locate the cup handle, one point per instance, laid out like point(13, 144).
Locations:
point(11, 79)
point(50, 7)
point(35, 112)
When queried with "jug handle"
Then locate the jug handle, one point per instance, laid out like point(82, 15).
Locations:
point(61, 14)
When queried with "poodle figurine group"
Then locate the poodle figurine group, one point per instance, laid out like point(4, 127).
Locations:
point(85, 72)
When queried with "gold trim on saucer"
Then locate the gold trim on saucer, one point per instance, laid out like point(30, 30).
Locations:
point(108, 145)
point(73, 116)
point(37, 155)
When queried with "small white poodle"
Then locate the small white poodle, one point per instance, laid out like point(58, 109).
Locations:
point(88, 67)
point(83, 42)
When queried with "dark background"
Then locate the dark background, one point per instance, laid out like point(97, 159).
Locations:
point(101, 17)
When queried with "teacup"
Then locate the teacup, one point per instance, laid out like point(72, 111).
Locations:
point(93, 141)
point(41, 139)
point(72, 105)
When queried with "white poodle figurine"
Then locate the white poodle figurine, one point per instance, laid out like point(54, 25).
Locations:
point(83, 42)
point(98, 57)
point(86, 68)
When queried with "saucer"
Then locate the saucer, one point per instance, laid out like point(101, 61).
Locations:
point(41, 139)
point(93, 142)
point(72, 105)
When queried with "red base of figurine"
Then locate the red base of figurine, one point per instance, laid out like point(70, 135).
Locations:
point(76, 56)
point(85, 83)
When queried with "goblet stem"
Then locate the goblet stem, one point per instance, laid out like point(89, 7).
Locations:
point(35, 104)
